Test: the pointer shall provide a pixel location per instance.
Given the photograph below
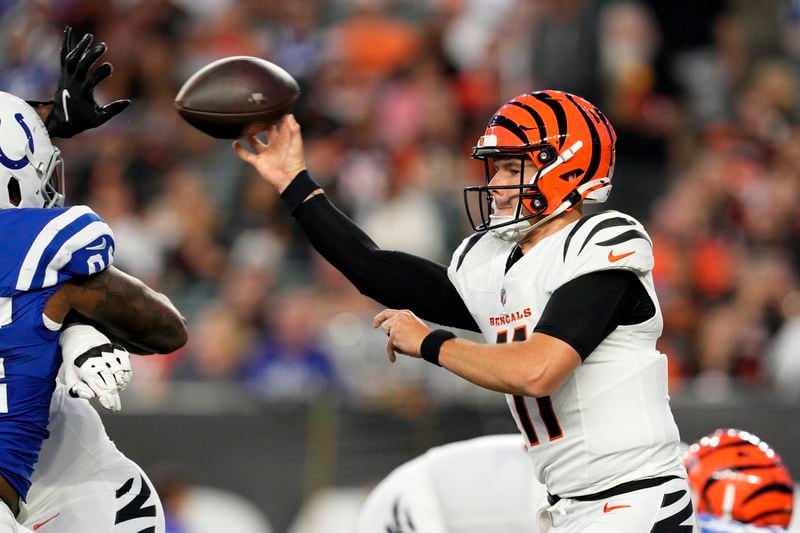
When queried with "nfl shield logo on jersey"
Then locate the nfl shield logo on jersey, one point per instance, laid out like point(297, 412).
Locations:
point(503, 296)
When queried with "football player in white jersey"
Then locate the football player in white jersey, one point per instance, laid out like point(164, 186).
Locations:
point(79, 467)
point(480, 485)
point(565, 302)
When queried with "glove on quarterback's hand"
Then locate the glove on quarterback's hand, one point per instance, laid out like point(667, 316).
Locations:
point(75, 109)
point(94, 366)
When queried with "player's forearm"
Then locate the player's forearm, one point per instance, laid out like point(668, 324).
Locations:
point(510, 368)
point(131, 312)
point(394, 279)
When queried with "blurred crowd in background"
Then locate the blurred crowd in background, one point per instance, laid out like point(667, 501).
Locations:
point(703, 95)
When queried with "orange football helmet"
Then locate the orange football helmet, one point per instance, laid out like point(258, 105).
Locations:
point(571, 144)
point(737, 476)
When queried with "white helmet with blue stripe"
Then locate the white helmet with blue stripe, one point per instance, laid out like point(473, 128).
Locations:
point(31, 168)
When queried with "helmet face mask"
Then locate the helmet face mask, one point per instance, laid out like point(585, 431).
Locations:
point(31, 168)
point(529, 201)
point(571, 146)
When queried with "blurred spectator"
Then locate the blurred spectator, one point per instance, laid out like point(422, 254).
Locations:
point(373, 44)
point(217, 346)
point(784, 364)
point(394, 96)
point(565, 52)
point(288, 363)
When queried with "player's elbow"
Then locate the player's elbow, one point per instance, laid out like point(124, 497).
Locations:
point(176, 334)
point(167, 336)
point(539, 382)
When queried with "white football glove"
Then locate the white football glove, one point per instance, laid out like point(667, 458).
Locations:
point(94, 367)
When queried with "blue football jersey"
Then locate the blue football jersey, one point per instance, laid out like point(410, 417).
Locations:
point(40, 250)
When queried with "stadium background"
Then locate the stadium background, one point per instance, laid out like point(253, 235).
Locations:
point(284, 390)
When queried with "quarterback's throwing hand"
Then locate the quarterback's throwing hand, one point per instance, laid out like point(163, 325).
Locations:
point(94, 366)
point(405, 332)
point(281, 158)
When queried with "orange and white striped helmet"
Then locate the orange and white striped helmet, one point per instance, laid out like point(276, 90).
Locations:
point(737, 476)
point(571, 144)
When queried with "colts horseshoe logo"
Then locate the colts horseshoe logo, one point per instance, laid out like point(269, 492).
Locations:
point(21, 162)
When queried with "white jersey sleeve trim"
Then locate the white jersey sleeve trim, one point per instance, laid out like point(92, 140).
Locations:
point(46, 235)
point(84, 237)
point(50, 324)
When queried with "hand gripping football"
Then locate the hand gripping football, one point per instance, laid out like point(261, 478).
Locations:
point(236, 96)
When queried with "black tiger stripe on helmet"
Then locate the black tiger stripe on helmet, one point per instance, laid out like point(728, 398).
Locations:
point(570, 142)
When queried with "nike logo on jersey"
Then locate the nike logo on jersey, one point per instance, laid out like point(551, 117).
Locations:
point(64, 97)
point(614, 258)
point(40, 524)
point(608, 508)
point(102, 246)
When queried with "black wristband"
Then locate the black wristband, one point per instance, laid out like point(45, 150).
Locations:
point(298, 190)
point(432, 343)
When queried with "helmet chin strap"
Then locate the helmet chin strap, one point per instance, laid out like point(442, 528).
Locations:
point(515, 232)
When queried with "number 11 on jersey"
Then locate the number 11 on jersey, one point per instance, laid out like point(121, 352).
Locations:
point(544, 404)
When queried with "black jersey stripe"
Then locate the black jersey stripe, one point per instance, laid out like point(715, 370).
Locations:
point(510, 125)
point(605, 224)
point(558, 111)
point(513, 257)
point(672, 497)
point(673, 523)
point(594, 162)
point(536, 117)
point(625, 237)
point(136, 507)
point(473, 240)
point(124, 488)
point(574, 230)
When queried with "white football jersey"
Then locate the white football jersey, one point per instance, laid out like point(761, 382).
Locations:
point(481, 485)
point(609, 422)
point(82, 483)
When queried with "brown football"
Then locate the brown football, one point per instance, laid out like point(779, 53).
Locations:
point(235, 96)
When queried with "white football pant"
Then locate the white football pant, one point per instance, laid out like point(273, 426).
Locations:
point(83, 484)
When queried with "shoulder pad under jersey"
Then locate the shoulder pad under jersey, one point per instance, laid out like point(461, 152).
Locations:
point(45, 247)
point(604, 241)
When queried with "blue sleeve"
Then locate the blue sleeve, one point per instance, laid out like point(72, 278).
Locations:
point(64, 243)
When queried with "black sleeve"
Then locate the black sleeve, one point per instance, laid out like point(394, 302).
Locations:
point(394, 279)
point(583, 311)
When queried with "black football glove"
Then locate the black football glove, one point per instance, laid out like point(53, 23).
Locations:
point(75, 109)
